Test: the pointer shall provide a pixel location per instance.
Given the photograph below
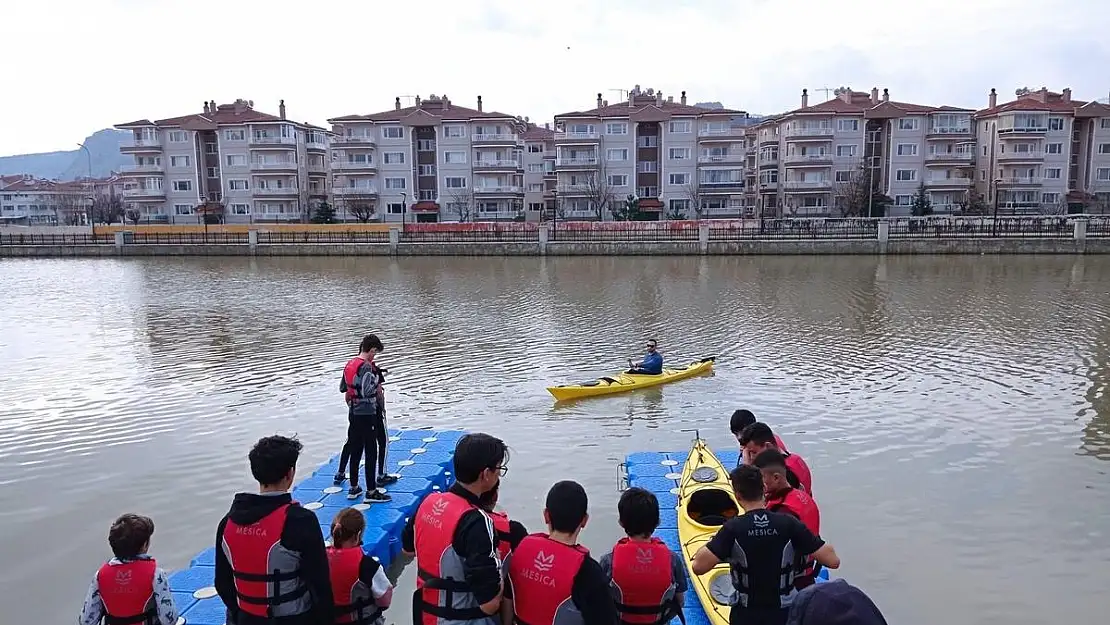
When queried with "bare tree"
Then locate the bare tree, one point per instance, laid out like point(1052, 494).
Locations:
point(598, 191)
point(71, 205)
point(107, 208)
point(360, 206)
point(692, 192)
point(133, 215)
point(851, 195)
point(461, 203)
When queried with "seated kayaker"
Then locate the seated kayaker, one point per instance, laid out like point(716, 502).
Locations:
point(763, 550)
point(647, 579)
point(758, 437)
point(740, 420)
point(650, 364)
point(784, 498)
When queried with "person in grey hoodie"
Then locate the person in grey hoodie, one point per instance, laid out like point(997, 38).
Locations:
point(834, 603)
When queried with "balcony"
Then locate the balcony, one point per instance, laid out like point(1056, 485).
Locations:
point(144, 143)
point(499, 189)
point(734, 157)
point(144, 194)
point(573, 189)
point(1021, 157)
point(273, 165)
point(353, 140)
point(354, 191)
point(807, 185)
point(492, 138)
point(275, 191)
point(315, 144)
point(955, 156)
point(317, 168)
point(576, 136)
point(1024, 129)
point(811, 132)
point(959, 182)
point(497, 164)
point(939, 132)
point(278, 142)
point(729, 186)
point(810, 160)
point(581, 161)
point(354, 165)
point(719, 133)
point(142, 169)
point(1020, 181)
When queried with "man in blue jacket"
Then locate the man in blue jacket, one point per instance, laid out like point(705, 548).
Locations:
point(652, 363)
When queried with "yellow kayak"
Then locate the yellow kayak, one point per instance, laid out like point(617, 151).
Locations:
point(705, 502)
point(627, 382)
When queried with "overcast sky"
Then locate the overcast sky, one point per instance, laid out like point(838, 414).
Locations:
point(75, 66)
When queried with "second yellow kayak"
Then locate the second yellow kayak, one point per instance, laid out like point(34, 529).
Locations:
point(627, 382)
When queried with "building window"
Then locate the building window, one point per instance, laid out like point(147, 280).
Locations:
point(1104, 148)
point(393, 158)
point(454, 182)
point(425, 145)
point(1052, 173)
point(177, 136)
point(618, 180)
point(394, 183)
point(1054, 148)
point(908, 123)
point(535, 206)
point(236, 160)
point(238, 185)
point(535, 148)
point(179, 161)
point(182, 209)
point(236, 135)
point(679, 179)
point(679, 154)
point(907, 149)
point(847, 125)
point(535, 187)
point(845, 150)
point(213, 172)
point(210, 148)
point(240, 209)
point(1102, 173)
point(903, 200)
point(905, 175)
point(454, 131)
point(680, 127)
point(616, 128)
point(1055, 123)
point(182, 185)
point(844, 175)
point(535, 168)
point(426, 194)
point(425, 170)
point(454, 157)
point(616, 154)
point(395, 208)
point(1050, 198)
point(393, 132)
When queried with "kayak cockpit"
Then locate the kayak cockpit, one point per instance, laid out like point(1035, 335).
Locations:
point(711, 506)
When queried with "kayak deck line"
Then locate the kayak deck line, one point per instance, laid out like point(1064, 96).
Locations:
point(660, 472)
point(623, 382)
point(422, 459)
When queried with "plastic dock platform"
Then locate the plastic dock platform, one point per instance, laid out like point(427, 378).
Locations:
point(660, 472)
point(422, 459)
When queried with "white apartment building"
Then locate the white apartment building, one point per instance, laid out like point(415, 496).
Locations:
point(1043, 152)
point(672, 156)
point(230, 161)
point(434, 161)
point(539, 170)
point(26, 200)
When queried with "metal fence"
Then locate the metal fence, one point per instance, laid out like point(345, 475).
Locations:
point(610, 234)
point(795, 229)
point(469, 236)
point(330, 236)
point(57, 239)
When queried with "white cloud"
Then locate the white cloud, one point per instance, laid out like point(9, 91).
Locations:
point(74, 66)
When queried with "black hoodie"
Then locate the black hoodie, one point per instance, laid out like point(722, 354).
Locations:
point(301, 534)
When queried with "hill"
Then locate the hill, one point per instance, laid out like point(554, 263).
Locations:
point(67, 165)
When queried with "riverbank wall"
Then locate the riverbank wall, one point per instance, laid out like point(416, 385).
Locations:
point(1054, 235)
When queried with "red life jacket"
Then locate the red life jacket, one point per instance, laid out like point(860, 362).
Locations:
point(798, 504)
point(127, 591)
point(501, 526)
point(354, 600)
point(542, 574)
point(643, 583)
point(259, 577)
point(800, 469)
point(440, 585)
point(781, 445)
point(350, 370)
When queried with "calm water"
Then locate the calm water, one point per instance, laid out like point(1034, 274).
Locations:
point(953, 409)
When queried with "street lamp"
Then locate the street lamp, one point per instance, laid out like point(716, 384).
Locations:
point(404, 209)
point(994, 219)
point(762, 207)
point(88, 187)
point(554, 212)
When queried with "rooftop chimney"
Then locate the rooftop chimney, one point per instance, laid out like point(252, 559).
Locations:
point(479, 104)
point(445, 102)
point(658, 98)
point(417, 100)
point(992, 100)
point(281, 109)
point(1067, 94)
point(206, 107)
point(212, 106)
point(599, 104)
point(670, 98)
point(397, 104)
point(547, 125)
point(874, 95)
point(605, 103)
point(886, 95)
point(805, 98)
point(683, 100)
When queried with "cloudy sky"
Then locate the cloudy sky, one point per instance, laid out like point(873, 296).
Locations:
point(74, 66)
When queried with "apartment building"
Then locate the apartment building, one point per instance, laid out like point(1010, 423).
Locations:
point(26, 200)
point(433, 161)
point(228, 163)
point(1043, 152)
point(672, 156)
point(809, 159)
point(539, 170)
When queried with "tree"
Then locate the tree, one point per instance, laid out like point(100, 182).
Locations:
point(461, 203)
point(360, 206)
point(629, 210)
point(325, 214)
point(133, 215)
point(107, 208)
point(692, 192)
point(922, 206)
point(598, 190)
point(856, 196)
point(973, 204)
point(71, 205)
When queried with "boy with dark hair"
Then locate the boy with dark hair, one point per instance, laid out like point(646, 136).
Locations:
point(646, 579)
point(361, 386)
point(782, 497)
point(551, 576)
point(740, 420)
point(271, 564)
point(758, 437)
point(129, 588)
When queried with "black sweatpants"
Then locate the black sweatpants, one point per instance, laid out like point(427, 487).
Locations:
point(362, 439)
point(381, 435)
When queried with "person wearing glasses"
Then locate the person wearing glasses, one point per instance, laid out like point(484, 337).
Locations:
point(458, 566)
point(652, 362)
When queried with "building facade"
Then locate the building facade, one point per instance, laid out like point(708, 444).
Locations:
point(26, 200)
point(433, 161)
point(230, 162)
point(539, 171)
point(677, 160)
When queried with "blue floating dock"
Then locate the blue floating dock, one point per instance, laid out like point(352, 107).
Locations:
point(660, 472)
point(421, 457)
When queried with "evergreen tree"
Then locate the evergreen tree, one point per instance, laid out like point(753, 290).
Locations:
point(324, 214)
point(921, 206)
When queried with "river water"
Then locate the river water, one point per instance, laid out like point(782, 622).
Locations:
point(953, 409)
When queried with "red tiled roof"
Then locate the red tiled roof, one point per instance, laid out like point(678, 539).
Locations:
point(622, 109)
point(1041, 100)
point(438, 108)
point(538, 133)
point(861, 104)
point(225, 114)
